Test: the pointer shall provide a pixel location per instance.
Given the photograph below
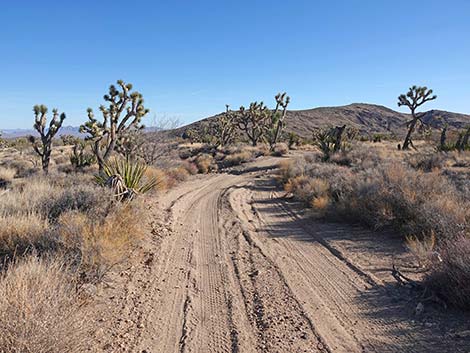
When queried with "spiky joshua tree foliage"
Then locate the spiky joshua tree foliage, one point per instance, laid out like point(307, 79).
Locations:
point(329, 140)
point(415, 98)
point(223, 128)
point(122, 115)
point(253, 121)
point(43, 147)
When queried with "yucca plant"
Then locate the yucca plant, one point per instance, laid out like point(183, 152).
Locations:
point(126, 178)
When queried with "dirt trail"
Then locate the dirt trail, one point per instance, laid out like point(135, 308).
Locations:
point(239, 271)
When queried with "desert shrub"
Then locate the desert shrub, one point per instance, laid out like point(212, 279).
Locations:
point(450, 275)
point(27, 197)
point(423, 249)
point(159, 175)
point(341, 158)
point(306, 188)
point(390, 194)
point(237, 158)
point(204, 163)
point(427, 208)
point(6, 176)
point(23, 167)
point(176, 175)
point(95, 245)
point(427, 162)
point(21, 234)
point(191, 167)
point(40, 309)
point(280, 149)
point(83, 198)
point(61, 159)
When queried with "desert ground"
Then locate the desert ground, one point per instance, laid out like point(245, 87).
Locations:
point(236, 266)
point(235, 233)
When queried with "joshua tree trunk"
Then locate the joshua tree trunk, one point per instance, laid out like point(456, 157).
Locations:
point(408, 142)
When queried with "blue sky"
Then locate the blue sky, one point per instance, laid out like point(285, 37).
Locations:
point(189, 58)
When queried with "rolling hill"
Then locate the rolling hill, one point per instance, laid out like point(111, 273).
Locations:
point(367, 118)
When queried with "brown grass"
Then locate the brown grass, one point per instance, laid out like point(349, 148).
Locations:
point(96, 246)
point(204, 163)
point(40, 309)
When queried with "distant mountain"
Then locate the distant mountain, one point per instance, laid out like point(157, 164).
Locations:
point(14, 133)
point(367, 118)
point(65, 130)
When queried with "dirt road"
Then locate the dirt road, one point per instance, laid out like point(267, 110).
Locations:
point(234, 268)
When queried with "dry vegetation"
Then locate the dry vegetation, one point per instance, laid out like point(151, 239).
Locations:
point(62, 230)
point(419, 194)
point(59, 234)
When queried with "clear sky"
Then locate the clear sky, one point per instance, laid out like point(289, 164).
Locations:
point(188, 57)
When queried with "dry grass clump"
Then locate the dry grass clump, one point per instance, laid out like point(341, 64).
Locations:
point(6, 176)
point(97, 245)
point(174, 176)
point(280, 149)
point(307, 189)
point(237, 158)
point(20, 234)
point(450, 275)
point(159, 175)
point(41, 310)
point(190, 167)
point(427, 162)
point(24, 168)
point(424, 249)
point(204, 163)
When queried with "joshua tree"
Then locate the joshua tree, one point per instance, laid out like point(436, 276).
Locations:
point(79, 157)
point(329, 140)
point(465, 138)
point(44, 147)
point(293, 140)
point(277, 119)
point(443, 145)
point(122, 116)
point(415, 97)
point(462, 140)
point(253, 121)
point(223, 128)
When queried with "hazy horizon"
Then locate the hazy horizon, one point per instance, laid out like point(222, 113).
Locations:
point(190, 59)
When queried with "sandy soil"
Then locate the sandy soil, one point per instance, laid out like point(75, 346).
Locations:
point(234, 266)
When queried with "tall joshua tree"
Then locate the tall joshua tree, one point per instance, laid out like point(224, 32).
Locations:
point(223, 128)
point(278, 119)
point(122, 116)
point(44, 147)
point(415, 98)
point(253, 121)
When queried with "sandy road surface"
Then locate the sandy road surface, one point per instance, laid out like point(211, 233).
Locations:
point(237, 270)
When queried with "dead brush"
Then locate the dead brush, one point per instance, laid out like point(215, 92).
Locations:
point(41, 310)
point(450, 277)
point(20, 234)
point(95, 246)
point(6, 176)
point(204, 163)
point(423, 249)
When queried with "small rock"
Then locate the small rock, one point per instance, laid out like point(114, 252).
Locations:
point(419, 309)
